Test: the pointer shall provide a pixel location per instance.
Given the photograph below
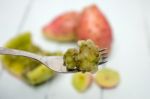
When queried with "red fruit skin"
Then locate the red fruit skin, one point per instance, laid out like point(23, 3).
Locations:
point(63, 27)
point(93, 25)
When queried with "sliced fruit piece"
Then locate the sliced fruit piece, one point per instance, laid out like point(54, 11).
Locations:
point(39, 75)
point(16, 69)
point(20, 66)
point(81, 81)
point(107, 78)
point(62, 28)
point(94, 25)
point(19, 41)
point(17, 64)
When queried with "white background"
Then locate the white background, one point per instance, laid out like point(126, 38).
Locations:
point(130, 21)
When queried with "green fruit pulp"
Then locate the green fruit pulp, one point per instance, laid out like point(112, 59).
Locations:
point(23, 67)
point(85, 59)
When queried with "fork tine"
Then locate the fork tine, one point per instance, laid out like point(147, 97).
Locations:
point(102, 62)
point(104, 55)
point(101, 50)
point(103, 58)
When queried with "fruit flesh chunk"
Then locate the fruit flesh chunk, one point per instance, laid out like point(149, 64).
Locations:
point(89, 56)
point(107, 78)
point(25, 68)
point(70, 58)
point(18, 64)
point(81, 81)
point(84, 59)
point(39, 75)
point(62, 28)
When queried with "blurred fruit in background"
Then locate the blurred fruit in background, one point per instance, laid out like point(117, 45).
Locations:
point(63, 27)
point(39, 75)
point(27, 69)
point(107, 78)
point(93, 25)
point(89, 24)
point(81, 81)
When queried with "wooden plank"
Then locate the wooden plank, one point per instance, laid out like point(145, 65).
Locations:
point(11, 20)
point(129, 56)
point(11, 12)
point(145, 12)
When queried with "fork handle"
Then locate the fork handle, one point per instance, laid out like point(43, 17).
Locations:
point(8, 51)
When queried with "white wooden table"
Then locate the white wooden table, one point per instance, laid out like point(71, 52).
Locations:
point(130, 20)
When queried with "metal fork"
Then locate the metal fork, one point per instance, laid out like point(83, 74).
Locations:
point(55, 63)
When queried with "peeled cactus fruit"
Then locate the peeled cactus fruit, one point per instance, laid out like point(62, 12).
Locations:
point(22, 40)
point(39, 75)
point(89, 56)
point(18, 64)
point(16, 69)
point(70, 58)
point(62, 28)
point(84, 59)
point(25, 68)
point(107, 78)
point(81, 81)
